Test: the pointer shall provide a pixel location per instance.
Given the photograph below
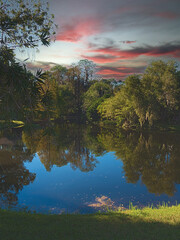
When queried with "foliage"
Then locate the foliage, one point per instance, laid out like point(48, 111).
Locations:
point(70, 93)
point(73, 93)
point(25, 23)
point(118, 109)
point(64, 89)
point(161, 89)
point(57, 97)
point(95, 95)
point(147, 99)
point(20, 91)
point(87, 69)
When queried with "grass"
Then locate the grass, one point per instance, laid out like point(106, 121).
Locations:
point(134, 224)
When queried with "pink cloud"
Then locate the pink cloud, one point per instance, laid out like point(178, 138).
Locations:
point(113, 54)
point(101, 58)
point(113, 74)
point(79, 28)
point(118, 72)
point(110, 72)
point(167, 15)
point(116, 52)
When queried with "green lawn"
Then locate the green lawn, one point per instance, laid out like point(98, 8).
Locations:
point(163, 223)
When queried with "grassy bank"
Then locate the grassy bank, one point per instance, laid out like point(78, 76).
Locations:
point(162, 223)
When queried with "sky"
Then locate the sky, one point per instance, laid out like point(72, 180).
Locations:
point(120, 36)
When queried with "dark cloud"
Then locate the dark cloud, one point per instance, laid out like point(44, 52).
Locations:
point(122, 69)
point(114, 53)
point(112, 27)
point(170, 49)
point(101, 58)
point(82, 18)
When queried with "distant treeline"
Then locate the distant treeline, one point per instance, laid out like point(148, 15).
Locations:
point(74, 94)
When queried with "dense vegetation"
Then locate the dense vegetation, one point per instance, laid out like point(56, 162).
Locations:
point(74, 93)
point(145, 100)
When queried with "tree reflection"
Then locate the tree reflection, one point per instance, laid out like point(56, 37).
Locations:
point(153, 157)
point(62, 145)
point(13, 174)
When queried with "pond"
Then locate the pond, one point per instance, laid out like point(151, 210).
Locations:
point(77, 168)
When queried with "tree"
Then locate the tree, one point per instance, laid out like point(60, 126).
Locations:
point(58, 95)
point(147, 99)
point(59, 74)
point(87, 69)
point(119, 109)
point(95, 95)
point(20, 92)
point(25, 24)
point(161, 89)
point(77, 87)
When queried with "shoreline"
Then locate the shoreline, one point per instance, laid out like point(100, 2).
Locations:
point(106, 125)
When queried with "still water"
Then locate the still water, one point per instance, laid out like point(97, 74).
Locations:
point(77, 168)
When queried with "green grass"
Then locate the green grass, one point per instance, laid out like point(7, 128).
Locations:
point(145, 224)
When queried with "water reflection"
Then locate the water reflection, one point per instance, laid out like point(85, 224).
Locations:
point(153, 158)
point(13, 175)
point(62, 145)
point(103, 203)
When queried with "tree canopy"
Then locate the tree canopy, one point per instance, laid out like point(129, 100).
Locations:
point(146, 99)
point(25, 24)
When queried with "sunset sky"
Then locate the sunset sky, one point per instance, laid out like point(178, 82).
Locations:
point(120, 36)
